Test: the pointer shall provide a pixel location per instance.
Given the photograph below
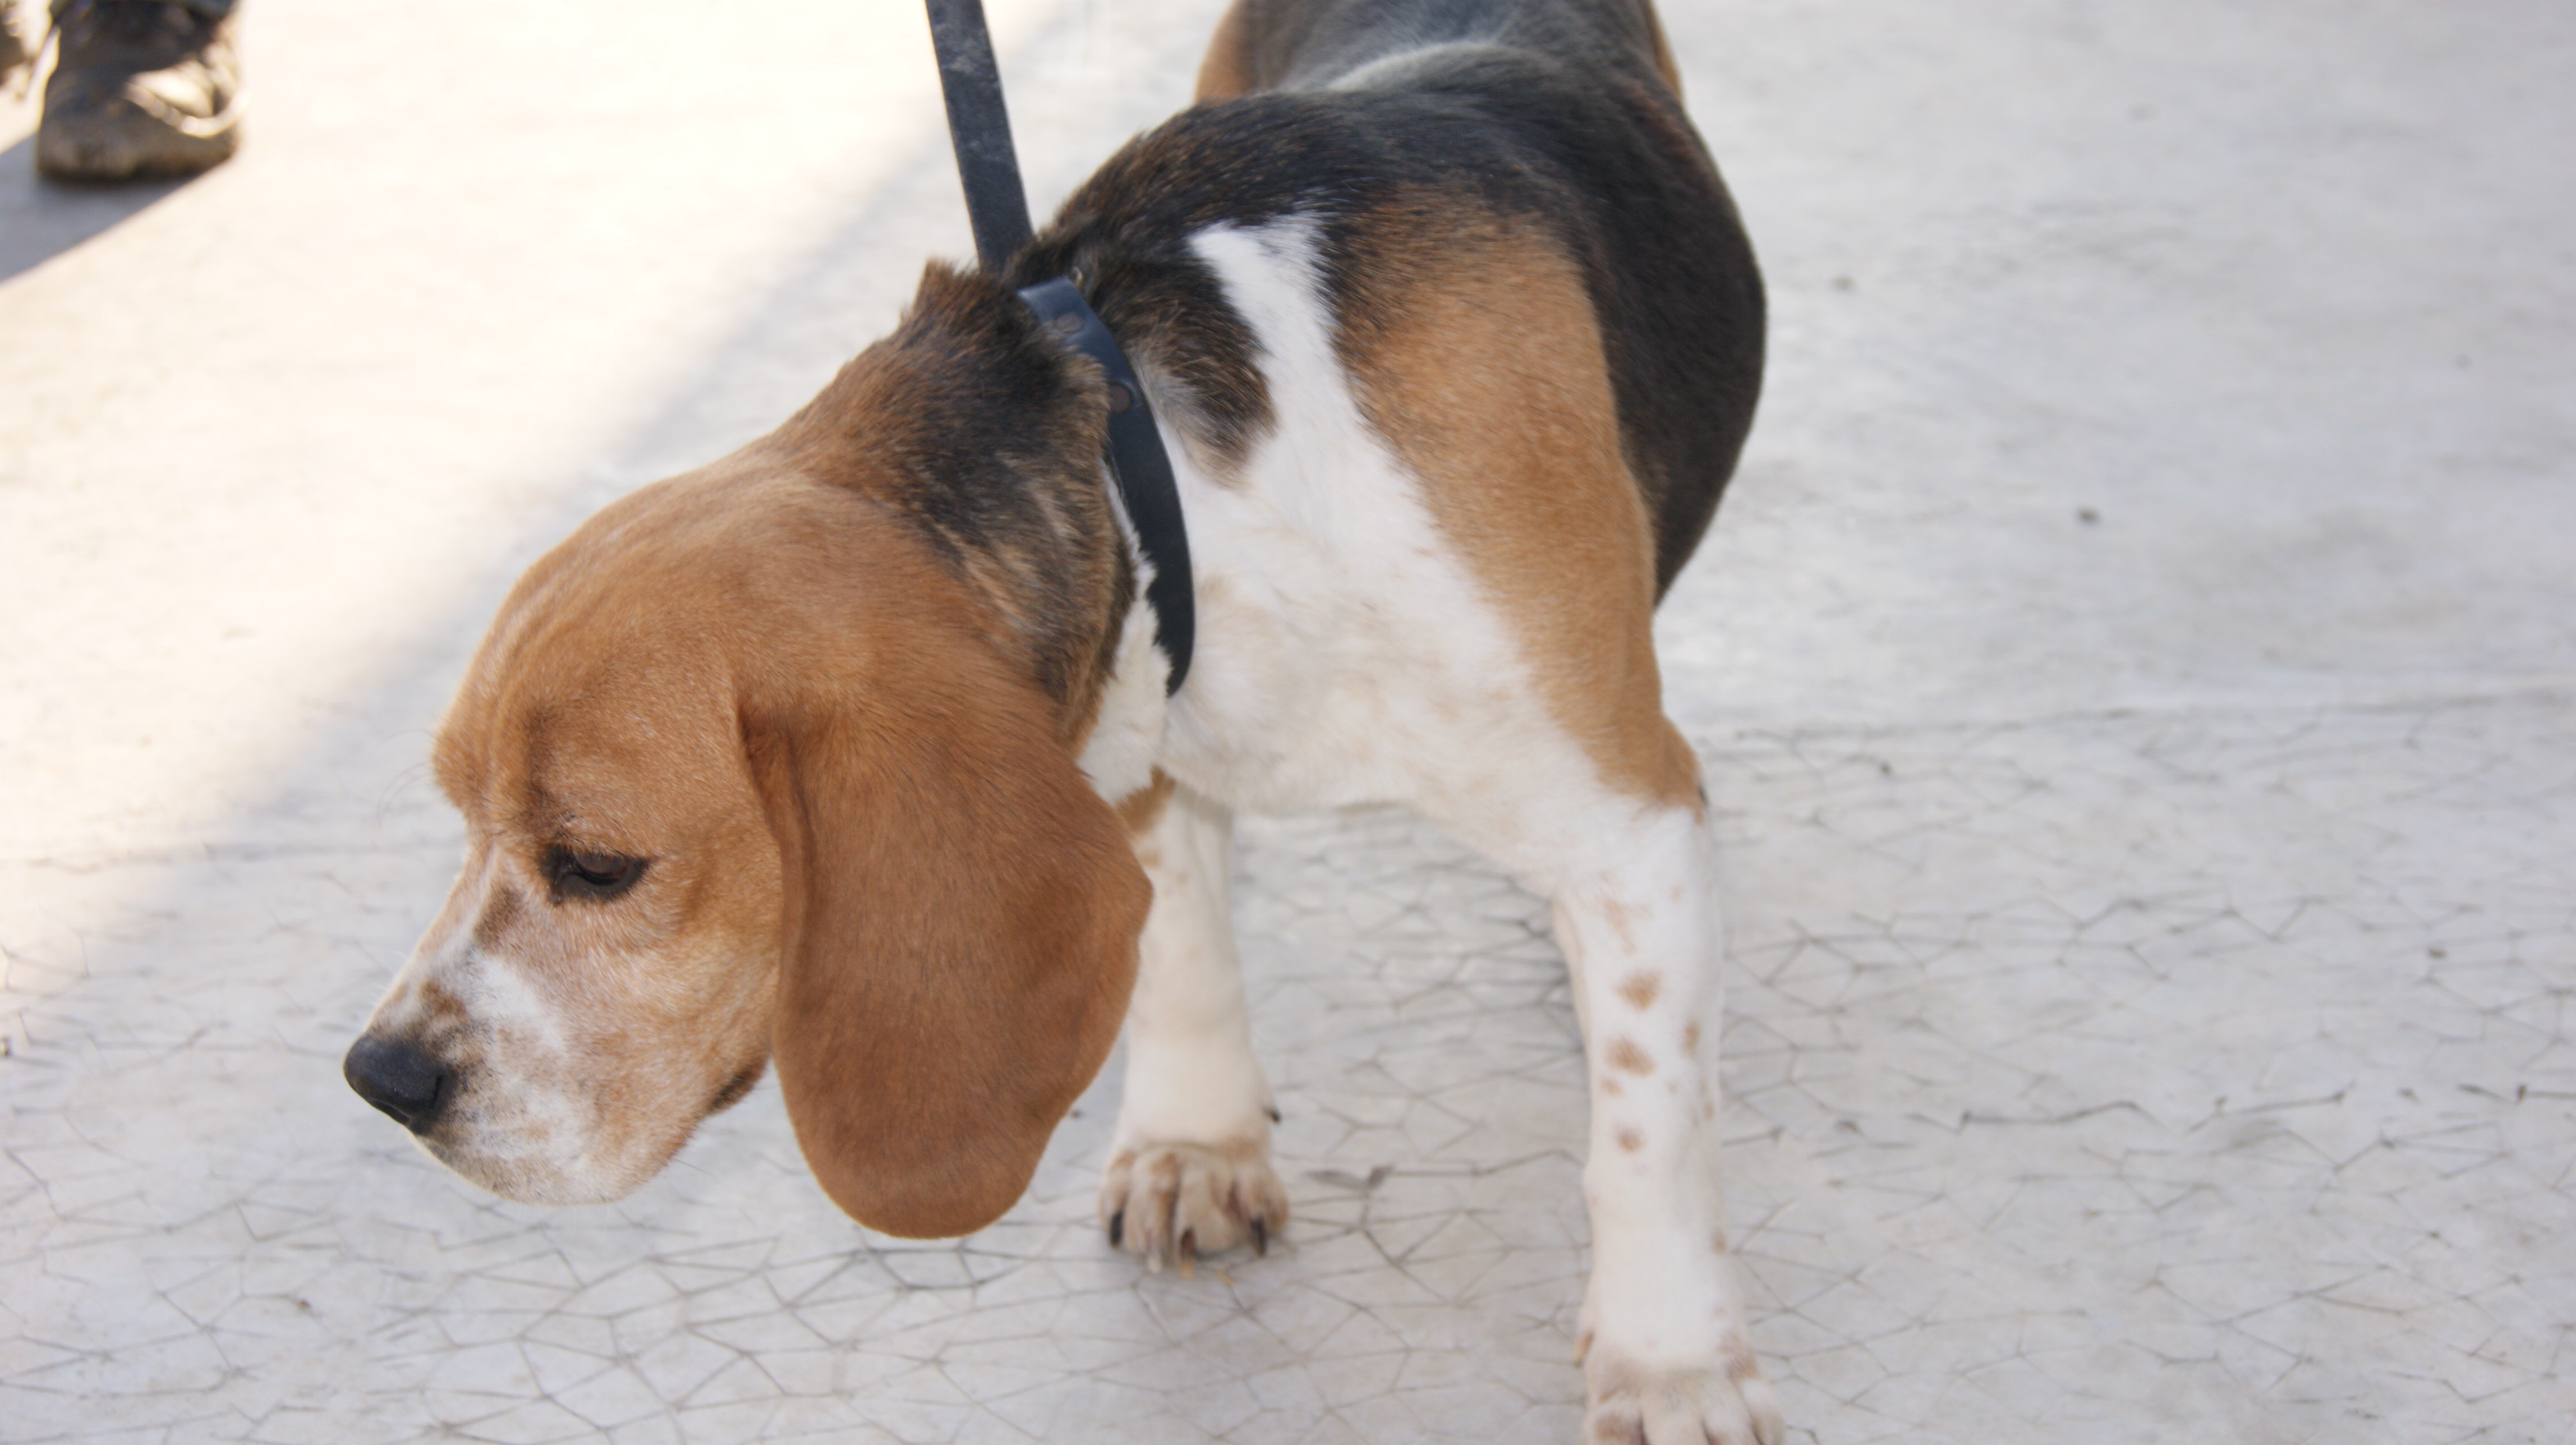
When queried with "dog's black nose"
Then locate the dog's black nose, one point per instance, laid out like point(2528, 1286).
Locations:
point(400, 1079)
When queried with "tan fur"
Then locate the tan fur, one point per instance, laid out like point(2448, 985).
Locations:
point(959, 940)
point(1229, 69)
point(871, 849)
point(1478, 357)
point(1143, 808)
point(532, 753)
point(1665, 65)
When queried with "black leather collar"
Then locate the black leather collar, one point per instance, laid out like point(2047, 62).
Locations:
point(979, 127)
point(1139, 467)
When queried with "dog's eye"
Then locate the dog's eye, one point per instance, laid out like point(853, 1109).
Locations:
point(580, 874)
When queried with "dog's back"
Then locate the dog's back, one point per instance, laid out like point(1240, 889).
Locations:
point(1430, 138)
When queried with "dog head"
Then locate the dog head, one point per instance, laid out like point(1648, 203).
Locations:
point(759, 765)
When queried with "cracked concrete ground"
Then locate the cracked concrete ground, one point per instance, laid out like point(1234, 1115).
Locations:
point(2134, 672)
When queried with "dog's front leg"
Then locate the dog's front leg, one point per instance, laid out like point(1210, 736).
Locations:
point(1189, 1167)
point(1666, 1361)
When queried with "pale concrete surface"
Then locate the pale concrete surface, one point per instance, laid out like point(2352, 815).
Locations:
point(2154, 935)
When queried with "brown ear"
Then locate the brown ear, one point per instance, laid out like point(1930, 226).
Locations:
point(960, 935)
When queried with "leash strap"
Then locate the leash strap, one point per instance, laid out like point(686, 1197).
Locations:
point(1138, 467)
point(979, 128)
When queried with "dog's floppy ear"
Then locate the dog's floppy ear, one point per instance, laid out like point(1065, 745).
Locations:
point(960, 933)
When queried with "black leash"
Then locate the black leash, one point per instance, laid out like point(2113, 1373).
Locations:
point(979, 126)
point(997, 206)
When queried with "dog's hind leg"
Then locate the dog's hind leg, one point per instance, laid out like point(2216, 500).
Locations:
point(1666, 1361)
point(1189, 1168)
point(1480, 358)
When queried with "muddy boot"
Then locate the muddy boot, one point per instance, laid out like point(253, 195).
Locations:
point(140, 88)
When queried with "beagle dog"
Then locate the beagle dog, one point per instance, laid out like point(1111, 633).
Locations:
point(852, 752)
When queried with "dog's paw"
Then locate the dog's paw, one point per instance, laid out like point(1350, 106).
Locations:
point(1175, 1202)
point(1724, 1402)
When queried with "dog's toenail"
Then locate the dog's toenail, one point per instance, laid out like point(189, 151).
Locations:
point(1261, 1236)
point(1118, 1229)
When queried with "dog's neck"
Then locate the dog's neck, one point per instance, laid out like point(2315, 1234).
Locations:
point(985, 437)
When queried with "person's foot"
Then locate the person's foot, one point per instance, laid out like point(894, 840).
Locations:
point(140, 88)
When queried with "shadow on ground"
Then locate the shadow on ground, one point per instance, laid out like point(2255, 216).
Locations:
point(41, 219)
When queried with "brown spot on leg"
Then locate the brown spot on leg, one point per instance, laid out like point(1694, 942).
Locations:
point(1630, 1140)
point(1717, 1239)
point(1623, 1054)
point(1619, 914)
point(1642, 988)
point(1690, 1033)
